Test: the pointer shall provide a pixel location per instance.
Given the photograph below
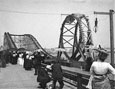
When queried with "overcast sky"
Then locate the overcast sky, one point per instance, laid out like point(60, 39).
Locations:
point(43, 18)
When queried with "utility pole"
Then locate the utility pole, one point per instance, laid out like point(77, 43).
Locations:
point(110, 13)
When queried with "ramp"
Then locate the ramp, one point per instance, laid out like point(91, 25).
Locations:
point(26, 41)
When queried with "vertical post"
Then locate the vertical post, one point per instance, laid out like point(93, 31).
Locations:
point(111, 12)
point(79, 81)
point(112, 37)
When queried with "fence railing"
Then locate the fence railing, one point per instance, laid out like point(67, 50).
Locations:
point(79, 78)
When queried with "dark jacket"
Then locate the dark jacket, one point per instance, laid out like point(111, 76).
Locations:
point(57, 71)
point(37, 60)
point(43, 76)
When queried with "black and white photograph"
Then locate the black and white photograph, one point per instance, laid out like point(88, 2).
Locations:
point(57, 44)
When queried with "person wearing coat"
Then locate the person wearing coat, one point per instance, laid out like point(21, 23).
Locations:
point(37, 62)
point(43, 77)
point(57, 74)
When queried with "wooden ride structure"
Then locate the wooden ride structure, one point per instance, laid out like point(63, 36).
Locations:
point(75, 36)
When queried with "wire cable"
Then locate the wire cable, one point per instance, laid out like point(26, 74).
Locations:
point(25, 12)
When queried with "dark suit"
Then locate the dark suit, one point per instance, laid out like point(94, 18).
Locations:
point(57, 75)
point(43, 77)
point(37, 62)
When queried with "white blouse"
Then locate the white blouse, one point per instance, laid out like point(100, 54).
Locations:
point(101, 68)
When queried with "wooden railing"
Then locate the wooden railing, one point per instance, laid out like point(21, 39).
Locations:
point(79, 78)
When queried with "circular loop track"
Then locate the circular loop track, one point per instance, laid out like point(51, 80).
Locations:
point(75, 36)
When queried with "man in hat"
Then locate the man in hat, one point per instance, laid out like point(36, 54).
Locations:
point(57, 74)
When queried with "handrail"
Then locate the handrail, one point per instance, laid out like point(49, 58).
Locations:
point(78, 78)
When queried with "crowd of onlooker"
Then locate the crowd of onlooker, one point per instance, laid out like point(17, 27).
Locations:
point(29, 60)
point(98, 68)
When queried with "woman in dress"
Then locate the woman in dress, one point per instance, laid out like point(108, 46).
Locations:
point(99, 71)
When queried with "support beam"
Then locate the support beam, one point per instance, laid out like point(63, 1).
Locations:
point(102, 13)
point(110, 13)
point(112, 37)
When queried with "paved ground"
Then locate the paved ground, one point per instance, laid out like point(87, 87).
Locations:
point(15, 77)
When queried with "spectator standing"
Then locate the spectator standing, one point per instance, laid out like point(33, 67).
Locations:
point(89, 61)
point(37, 62)
point(24, 57)
point(14, 57)
point(99, 71)
point(2, 59)
point(57, 74)
point(43, 78)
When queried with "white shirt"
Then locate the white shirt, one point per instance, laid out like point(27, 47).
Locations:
point(101, 68)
